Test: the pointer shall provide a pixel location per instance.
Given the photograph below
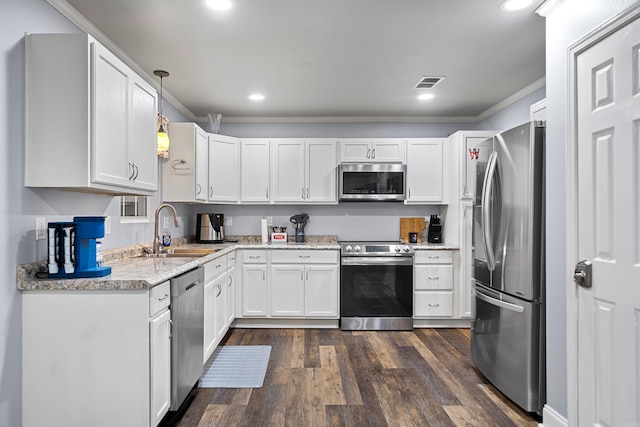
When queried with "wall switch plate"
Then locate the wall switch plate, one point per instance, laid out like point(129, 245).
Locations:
point(269, 221)
point(229, 220)
point(41, 229)
point(107, 225)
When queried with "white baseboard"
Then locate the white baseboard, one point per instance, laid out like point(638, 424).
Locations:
point(550, 418)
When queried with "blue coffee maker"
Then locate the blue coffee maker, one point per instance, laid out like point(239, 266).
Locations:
point(72, 248)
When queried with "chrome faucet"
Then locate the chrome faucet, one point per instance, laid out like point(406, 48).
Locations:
point(156, 237)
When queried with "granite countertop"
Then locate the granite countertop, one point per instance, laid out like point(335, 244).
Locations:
point(130, 270)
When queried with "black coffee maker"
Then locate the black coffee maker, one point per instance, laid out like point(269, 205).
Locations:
point(300, 220)
point(434, 235)
point(210, 228)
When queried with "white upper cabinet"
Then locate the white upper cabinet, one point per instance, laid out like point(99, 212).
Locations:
point(304, 171)
point(254, 181)
point(425, 177)
point(186, 171)
point(463, 145)
point(353, 150)
point(224, 163)
point(90, 120)
point(201, 167)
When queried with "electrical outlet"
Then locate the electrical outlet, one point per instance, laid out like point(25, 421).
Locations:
point(41, 229)
point(107, 225)
point(229, 221)
point(179, 221)
point(165, 222)
point(269, 221)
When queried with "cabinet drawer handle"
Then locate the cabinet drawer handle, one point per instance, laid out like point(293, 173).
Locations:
point(170, 328)
point(219, 290)
point(163, 298)
point(199, 187)
point(137, 171)
point(434, 305)
point(210, 191)
point(267, 193)
point(368, 153)
point(230, 281)
point(254, 257)
point(304, 256)
point(308, 193)
point(264, 276)
point(303, 193)
point(218, 265)
point(434, 257)
point(434, 278)
point(373, 154)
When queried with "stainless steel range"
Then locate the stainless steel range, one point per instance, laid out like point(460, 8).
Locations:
point(376, 286)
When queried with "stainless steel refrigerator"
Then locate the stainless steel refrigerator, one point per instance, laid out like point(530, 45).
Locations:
point(508, 310)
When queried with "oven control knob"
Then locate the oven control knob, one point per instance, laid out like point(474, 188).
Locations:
point(406, 248)
point(397, 248)
point(348, 248)
point(357, 248)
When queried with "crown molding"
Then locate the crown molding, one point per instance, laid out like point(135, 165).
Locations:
point(548, 7)
point(513, 98)
point(85, 25)
point(344, 119)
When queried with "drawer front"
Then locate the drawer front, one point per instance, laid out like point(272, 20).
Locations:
point(433, 257)
point(433, 276)
point(304, 256)
point(214, 268)
point(254, 257)
point(159, 298)
point(433, 304)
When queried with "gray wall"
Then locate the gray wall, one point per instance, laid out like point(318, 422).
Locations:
point(19, 206)
point(513, 115)
point(565, 26)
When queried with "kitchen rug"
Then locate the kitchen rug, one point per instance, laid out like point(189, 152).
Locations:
point(236, 366)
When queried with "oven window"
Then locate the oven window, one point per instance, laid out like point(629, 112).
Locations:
point(373, 182)
point(376, 291)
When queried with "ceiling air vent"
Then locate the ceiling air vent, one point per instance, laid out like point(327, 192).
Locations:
point(428, 82)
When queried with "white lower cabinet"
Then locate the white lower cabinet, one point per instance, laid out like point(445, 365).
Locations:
point(290, 284)
point(99, 358)
point(254, 283)
point(218, 301)
point(433, 284)
point(160, 365)
point(304, 283)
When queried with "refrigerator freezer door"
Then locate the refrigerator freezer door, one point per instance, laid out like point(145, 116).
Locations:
point(506, 346)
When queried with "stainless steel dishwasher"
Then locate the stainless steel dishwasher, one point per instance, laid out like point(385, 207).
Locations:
point(187, 315)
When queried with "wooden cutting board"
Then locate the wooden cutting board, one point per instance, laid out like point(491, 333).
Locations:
point(410, 225)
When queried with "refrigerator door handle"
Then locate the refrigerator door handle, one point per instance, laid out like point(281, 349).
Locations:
point(499, 303)
point(486, 212)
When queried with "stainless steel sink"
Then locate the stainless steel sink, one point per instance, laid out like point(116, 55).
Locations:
point(182, 253)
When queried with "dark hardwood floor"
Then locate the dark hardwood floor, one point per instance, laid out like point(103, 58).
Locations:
point(319, 377)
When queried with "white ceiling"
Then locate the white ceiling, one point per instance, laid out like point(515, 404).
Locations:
point(330, 58)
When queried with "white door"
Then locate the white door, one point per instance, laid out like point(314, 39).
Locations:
point(287, 290)
point(288, 171)
point(202, 166)
point(254, 290)
point(321, 171)
point(109, 119)
point(160, 365)
point(607, 109)
point(142, 143)
point(255, 171)
point(321, 291)
point(223, 169)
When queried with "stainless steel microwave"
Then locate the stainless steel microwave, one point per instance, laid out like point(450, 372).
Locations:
point(372, 182)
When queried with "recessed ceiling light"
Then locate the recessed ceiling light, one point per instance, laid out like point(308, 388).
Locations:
point(512, 5)
point(256, 97)
point(425, 96)
point(219, 4)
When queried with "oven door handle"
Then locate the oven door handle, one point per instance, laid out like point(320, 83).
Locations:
point(380, 260)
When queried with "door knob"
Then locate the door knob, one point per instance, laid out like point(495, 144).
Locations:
point(582, 274)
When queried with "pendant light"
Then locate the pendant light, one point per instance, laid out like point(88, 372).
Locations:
point(163, 137)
